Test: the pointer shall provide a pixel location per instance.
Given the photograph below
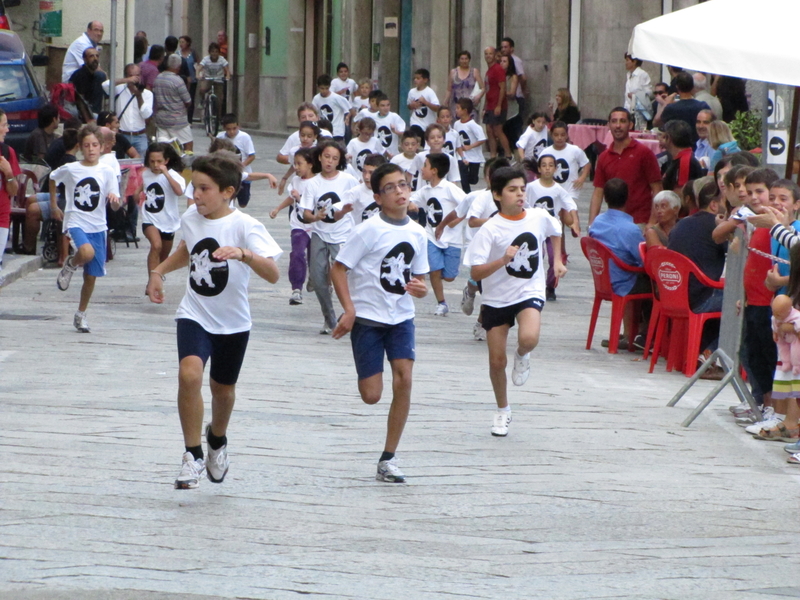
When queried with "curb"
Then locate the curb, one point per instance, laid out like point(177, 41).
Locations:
point(19, 267)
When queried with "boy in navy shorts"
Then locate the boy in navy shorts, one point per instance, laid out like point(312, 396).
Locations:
point(506, 257)
point(376, 272)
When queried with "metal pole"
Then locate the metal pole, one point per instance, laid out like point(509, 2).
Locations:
point(112, 67)
point(406, 58)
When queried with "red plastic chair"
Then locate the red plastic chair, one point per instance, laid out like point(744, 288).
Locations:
point(671, 272)
point(600, 257)
point(654, 314)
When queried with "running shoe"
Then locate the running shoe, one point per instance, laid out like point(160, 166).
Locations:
point(767, 414)
point(467, 301)
point(389, 471)
point(325, 330)
point(80, 322)
point(478, 332)
point(500, 425)
point(522, 368)
point(550, 294)
point(441, 309)
point(65, 275)
point(191, 472)
point(792, 448)
point(217, 462)
point(296, 297)
point(768, 422)
point(794, 459)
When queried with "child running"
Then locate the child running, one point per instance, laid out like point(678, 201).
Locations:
point(360, 201)
point(572, 166)
point(360, 101)
point(244, 148)
point(534, 139)
point(376, 273)
point(300, 230)
point(472, 140)
point(452, 141)
point(88, 185)
point(220, 246)
point(409, 144)
point(390, 126)
point(309, 133)
point(505, 256)
point(435, 139)
point(163, 187)
point(322, 193)
point(365, 144)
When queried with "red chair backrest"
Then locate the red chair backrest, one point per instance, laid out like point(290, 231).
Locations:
point(598, 256)
point(22, 192)
point(671, 271)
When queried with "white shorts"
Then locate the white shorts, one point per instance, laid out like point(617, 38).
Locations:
point(167, 134)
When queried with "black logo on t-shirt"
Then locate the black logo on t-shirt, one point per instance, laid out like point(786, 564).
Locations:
point(361, 157)
point(299, 212)
point(207, 275)
point(414, 181)
point(421, 112)
point(526, 261)
point(562, 171)
point(464, 137)
point(396, 268)
point(326, 112)
point(545, 202)
point(384, 136)
point(538, 147)
point(435, 214)
point(87, 194)
point(326, 202)
point(369, 212)
point(448, 147)
point(155, 198)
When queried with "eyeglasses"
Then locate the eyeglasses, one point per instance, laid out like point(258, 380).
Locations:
point(393, 187)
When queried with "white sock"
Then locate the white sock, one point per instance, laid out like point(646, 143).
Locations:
point(506, 409)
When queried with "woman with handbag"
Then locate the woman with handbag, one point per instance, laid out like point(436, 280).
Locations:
point(464, 82)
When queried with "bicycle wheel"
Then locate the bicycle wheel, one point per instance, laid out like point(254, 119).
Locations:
point(213, 116)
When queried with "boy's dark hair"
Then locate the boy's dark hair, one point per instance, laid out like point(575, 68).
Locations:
point(324, 79)
point(743, 172)
point(441, 108)
point(381, 98)
point(501, 177)
point(558, 125)
point(615, 191)
point(381, 172)
point(491, 165)
point(375, 94)
point(342, 65)
point(223, 143)
point(440, 162)
point(156, 52)
point(789, 185)
point(435, 127)
point(679, 132)
point(543, 156)
point(424, 73)
point(367, 123)
point(688, 192)
point(213, 46)
point(763, 175)
point(310, 125)
point(731, 174)
point(636, 60)
point(684, 82)
point(466, 104)
point(708, 193)
point(87, 130)
point(619, 109)
point(70, 138)
point(224, 168)
point(375, 160)
point(326, 125)
point(320, 148)
point(307, 154)
point(47, 114)
point(540, 115)
point(229, 119)
point(737, 158)
point(409, 133)
point(170, 44)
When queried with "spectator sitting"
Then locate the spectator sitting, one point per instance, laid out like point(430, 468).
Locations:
point(40, 138)
point(721, 140)
point(703, 149)
point(683, 166)
point(566, 109)
point(616, 230)
point(666, 207)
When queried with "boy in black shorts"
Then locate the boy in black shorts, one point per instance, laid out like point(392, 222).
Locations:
point(376, 272)
point(506, 257)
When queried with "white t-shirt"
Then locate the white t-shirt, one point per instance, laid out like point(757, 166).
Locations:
point(161, 206)
point(365, 112)
point(403, 161)
point(324, 193)
point(86, 190)
point(569, 162)
point(334, 108)
point(349, 86)
point(244, 146)
point(364, 206)
point(483, 206)
point(360, 104)
point(415, 168)
point(359, 151)
point(383, 131)
point(439, 202)
point(470, 132)
point(294, 140)
point(291, 154)
point(110, 159)
point(213, 70)
point(382, 258)
point(553, 199)
point(423, 116)
point(216, 291)
point(533, 142)
point(464, 207)
point(452, 141)
point(524, 277)
point(295, 212)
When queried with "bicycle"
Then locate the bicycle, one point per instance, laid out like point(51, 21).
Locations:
point(211, 107)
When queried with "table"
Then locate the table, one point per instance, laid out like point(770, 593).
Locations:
point(584, 136)
point(644, 137)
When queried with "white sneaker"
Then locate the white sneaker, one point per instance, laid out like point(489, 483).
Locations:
point(325, 330)
point(65, 275)
point(296, 298)
point(217, 462)
point(750, 418)
point(390, 472)
point(767, 423)
point(522, 368)
point(478, 332)
point(501, 420)
point(467, 301)
point(191, 472)
point(80, 322)
point(739, 408)
point(441, 310)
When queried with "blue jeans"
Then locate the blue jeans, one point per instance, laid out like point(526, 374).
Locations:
point(139, 142)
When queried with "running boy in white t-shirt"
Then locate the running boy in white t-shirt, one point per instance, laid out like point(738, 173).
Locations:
point(360, 100)
point(472, 140)
point(434, 138)
point(505, 256)
point(88, 185)
point(572, 166)
point(362, 146)
point(438, 198)
point(376, 273)
point(390, 126)
point(333, 107)
point(221, 245)
point(422, 102)
point(409, 144)
point(342, 84)
point(244, 147)
point(305, 112)
point(360, 201)
point(452, 141)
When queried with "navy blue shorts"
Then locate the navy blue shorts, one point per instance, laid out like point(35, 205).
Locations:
point(495, 317)
point(370, 343)
point(226, 351)
point(165, 237)
point(243, 197)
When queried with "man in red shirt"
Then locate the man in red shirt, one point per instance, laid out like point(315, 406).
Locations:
point(494, 116)
point(630, 161)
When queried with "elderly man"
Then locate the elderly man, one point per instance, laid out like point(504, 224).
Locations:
point(88, 80)
point(171, 101)
point(703, 149)
point(74, 58)
point(702, 94)
point(133, 105)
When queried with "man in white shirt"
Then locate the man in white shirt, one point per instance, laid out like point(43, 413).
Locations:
point(133, 105)
point(74, 58)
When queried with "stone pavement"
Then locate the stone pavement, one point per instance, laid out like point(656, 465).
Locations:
point(597, 492)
